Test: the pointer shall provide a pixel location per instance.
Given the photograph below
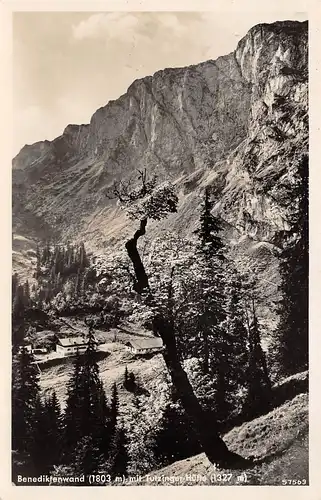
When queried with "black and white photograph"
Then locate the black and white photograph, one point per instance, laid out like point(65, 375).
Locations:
point(160, 249)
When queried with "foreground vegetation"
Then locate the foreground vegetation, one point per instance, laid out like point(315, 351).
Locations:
point(205, 309)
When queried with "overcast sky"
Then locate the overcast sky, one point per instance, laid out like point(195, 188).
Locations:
point(66, 65)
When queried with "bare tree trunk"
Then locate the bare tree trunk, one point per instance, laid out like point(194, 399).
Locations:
point(203, 424)
point(141, 283)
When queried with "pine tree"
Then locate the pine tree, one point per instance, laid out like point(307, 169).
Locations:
point(71, 257)
point(38, 263)
point(26, 294)
point(174, 439)
point(53, 274)
point(83, 285)
point(54, 434)
point(58, 284)
point(87, 460)
point(210, 303)
point(131, 381)
point(72, 419)
point(90, 384)
point(18, 313)
point(43, 256)
point(103, 431)
point(58, 259)
point(294, 264)
point(230, 348)
point(18, 307)
point(53, 258)
point(114, 407)
point(39, 447)
point(83, 261)
point(78, 284)
point(259, 384)
point(119, 458)
point(87, 413)
point(14, 286)
point(18, 335)
point(212, 278)
point(126, 377)
point(63, 261)
point(25, 393)
point(210, 227)
point(46, 254)
point(41, 298)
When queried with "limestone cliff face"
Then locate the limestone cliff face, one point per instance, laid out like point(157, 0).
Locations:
point(274, 59)
point(235, 123)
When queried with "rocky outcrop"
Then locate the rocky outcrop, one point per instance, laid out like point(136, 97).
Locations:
point(236, 123)
point(274, 59)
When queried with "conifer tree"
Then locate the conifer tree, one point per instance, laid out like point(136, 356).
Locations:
point(43, 256)
point(103, 431)
point(90, 384)
point(58, 283)
point(126, 377)
point(174, 439)
point(46, 254)
point(83, 285)
point(87, 459)
point(83, 261)
point(131, 381)
point(39, 447)
point(87, 413)
point(54, 434)
point(78, 284)
point(119, 458)
point(72, 419)
point(26, 294)
point(210, 226)
point(259, 386)
point(38, 263)
point(66, 256)
point(18, 308)
point(18, 335)
point(53, 274)
point(294, 279)
point(230, 348)
point(18, 312)
point(25, 393)
point(114, 407)
point(212, 278)
point(14, 286)
point(70, 257)
point(41, 298)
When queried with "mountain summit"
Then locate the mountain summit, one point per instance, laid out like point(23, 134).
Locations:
point(235, 123)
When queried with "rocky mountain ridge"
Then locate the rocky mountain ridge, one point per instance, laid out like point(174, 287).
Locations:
point(239, 123)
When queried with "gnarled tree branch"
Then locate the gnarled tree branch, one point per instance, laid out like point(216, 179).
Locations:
point(202, 423)
point(141, 283)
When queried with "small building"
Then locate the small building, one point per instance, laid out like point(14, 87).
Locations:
point(33, 350)
point(145, 345)
point(28, 348)
point(70, 345)
point(40, 350)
